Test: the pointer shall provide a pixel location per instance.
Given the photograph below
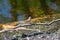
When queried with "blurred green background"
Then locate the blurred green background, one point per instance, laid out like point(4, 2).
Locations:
point(15, 10)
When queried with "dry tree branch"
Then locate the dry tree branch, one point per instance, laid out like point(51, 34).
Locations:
point(28, 24)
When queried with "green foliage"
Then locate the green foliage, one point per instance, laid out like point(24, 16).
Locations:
point(35, 8)
point(25, 5)
point(3, 18)
point(40, 12)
